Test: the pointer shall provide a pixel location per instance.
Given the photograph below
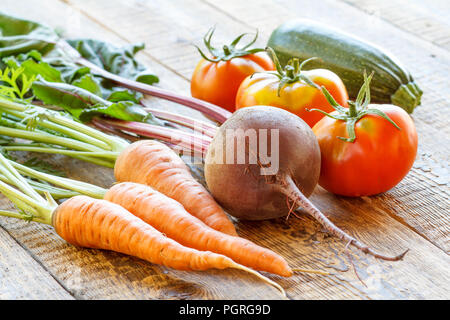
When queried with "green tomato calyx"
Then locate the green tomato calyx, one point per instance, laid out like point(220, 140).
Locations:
point(356, 110)
point(227, 52)
point(292, 71)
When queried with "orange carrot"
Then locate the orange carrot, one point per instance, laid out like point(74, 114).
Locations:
point(100, 224)
point(154, 164)
point(170, 217)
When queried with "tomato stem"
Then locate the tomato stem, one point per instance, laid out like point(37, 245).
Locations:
point(228, 52)
point(352, 111)
point(292, 71)
point(356, 109)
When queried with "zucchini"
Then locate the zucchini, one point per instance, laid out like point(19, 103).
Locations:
point(348, 57)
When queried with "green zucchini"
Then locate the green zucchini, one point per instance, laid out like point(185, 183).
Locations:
point(348, 57)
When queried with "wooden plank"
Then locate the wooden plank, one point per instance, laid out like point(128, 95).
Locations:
point(96, 274)
point(428, 20)
point(22, 277)
point(172, 28)
point(358, 216)
point(304, 243)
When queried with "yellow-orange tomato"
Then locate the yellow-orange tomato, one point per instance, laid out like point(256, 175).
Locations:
point(218, 81)
point(377, 160)
point(296, 97)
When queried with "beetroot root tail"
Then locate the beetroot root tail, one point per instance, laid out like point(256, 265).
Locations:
point(289, 188)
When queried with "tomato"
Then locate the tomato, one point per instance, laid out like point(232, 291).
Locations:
point(295, 96)
point(218, 82)
point(367, 150)
point(217, 79)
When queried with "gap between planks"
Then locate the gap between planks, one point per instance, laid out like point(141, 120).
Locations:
point(408, 16)
point(39, 262)
point(40, 273)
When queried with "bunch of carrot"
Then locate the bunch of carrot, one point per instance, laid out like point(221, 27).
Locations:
point(192, 233)
point(157, 211)
point(133, 219)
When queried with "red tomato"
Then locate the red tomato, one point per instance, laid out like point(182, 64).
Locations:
point(377, 160)
point(218, 82)
point(295, 95)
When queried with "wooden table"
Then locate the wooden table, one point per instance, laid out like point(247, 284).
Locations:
point(36, 264)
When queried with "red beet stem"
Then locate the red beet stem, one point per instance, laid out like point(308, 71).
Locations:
point(100, 124)
point(184, 140)
point(208, 109)
point(194, 124)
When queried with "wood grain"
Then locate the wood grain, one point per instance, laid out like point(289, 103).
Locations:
point(428, 20)
point(22, 277)
point(413, 215)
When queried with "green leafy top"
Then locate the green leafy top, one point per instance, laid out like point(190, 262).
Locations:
point(78, 100)
point(292, 71)
point(357, 109)
point(227, 52)
point(38, 49)
point(34, 57)
point(21, 36)
point(84, 105)
point(117, 60)
point(9, 83)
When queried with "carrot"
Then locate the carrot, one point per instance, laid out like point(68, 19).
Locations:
point(170, 217)
point(148, 162)
point(100, 224)
point(154, 164)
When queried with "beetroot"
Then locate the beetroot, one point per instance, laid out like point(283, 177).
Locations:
point(264, 162)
